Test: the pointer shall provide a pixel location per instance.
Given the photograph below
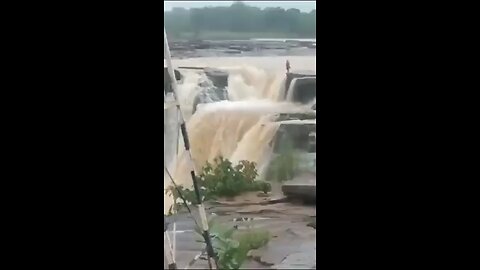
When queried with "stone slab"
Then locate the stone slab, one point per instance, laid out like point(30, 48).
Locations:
point(305, 189)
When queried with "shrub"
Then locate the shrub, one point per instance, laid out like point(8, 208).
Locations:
point(232, 246)
point(222, 179)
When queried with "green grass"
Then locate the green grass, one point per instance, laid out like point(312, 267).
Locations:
point(232, 246)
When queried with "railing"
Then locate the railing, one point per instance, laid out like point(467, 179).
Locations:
point(212, 257)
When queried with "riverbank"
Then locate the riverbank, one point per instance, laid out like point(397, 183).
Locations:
point(229, 35)
point(250, 47)
point(293, 236)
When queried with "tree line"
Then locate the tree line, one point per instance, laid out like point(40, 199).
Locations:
point(241, 18)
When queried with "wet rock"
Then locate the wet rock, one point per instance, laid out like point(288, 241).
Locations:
point(295, 75)
point(296, 116)
point(233, 51)
point(212, 90)
point(201, 44)
point(286, 250)
point(305, 192)
point(218, 77)
point(253, 264)
point(297, 134)
point(208, 95)
point(277, 209)
point(250, 199)
point(241, 47)
point(256, 256)
point(303, 187)
point(298, 261)
point(302, 90)
point(286, 223)
point(263, 195)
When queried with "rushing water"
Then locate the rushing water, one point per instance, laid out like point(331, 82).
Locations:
point(239, 129)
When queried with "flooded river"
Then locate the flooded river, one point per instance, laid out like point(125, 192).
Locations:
point(241, 129)
point(237, 129)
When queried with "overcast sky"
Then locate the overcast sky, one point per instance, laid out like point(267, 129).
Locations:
point(305, 6)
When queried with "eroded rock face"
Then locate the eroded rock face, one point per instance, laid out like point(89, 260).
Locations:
point(299, 135)
point(214, 90)
point(295, 142)
point(296, 116)
point(302, 187)
point(296, 75)
point(302, 90)
point(218, 77)
point(209, 95)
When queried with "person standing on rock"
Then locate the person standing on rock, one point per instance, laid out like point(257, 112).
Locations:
point(288, 66)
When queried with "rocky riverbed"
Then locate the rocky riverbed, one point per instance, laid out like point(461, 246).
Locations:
point(192, 49)
point(291, 225)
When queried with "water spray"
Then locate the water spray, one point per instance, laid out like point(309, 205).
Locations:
point(212, 257)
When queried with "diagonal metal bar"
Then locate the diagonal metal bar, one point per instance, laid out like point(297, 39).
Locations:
point(206, 235)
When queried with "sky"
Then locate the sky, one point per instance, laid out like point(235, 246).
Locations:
point(305, 6)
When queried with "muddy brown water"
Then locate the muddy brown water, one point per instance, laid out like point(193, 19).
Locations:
point(238, 130)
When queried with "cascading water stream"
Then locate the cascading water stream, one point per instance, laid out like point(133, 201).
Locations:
point(239, 129)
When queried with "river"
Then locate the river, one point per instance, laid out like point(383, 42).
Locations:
point(237, 129)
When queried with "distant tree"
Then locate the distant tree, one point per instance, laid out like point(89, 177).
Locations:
point(197, 19)
point(178, 10)
point(293, 16)
point(240, 17)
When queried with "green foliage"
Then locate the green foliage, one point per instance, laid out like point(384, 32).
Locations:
point(222, 179)
point(284, 166)
point(188, 194)
point(241, 18)
point(253, 239)
point(232, 246)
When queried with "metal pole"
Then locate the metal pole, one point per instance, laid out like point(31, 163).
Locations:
point(169, 254)
point(206, 235)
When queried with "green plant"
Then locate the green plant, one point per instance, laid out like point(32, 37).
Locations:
point(222, 179)
point(253, 239)
point(284, 166)
point(188, 194)
point(232, 246)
